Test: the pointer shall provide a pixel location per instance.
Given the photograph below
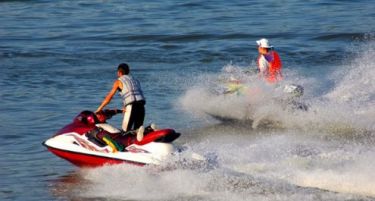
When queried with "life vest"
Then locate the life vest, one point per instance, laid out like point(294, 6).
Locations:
point(131, 90)
point(272, 73)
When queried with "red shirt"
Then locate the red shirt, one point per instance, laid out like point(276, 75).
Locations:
point(272, 60)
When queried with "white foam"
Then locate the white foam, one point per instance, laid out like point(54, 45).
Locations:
point(271, 167)
point(128, 182)
point(308, 162)
point(346, 173)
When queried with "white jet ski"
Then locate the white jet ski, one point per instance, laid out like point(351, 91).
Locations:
point(91, 142)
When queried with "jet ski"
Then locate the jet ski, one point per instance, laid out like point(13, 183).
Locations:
point(235, 101)
point(238, 82)
point(89, 141)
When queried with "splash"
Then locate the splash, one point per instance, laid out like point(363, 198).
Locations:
point(346, 108)
point(312, 163)
point(223, 98)
point(350, 104)
point(282, 167)
point(355, 86)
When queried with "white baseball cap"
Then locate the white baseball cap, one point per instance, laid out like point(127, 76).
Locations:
point(264, 43)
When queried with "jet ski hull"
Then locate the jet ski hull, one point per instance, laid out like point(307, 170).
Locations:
point(82, 152)
point(88, 160)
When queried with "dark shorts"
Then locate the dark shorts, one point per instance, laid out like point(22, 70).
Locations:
point(137, 116)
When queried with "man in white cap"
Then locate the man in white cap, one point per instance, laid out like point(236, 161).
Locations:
point(269, 63)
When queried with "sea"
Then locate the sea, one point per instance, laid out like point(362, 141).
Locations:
point(58, 58)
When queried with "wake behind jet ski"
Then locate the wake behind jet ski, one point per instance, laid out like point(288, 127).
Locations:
point(89, 141)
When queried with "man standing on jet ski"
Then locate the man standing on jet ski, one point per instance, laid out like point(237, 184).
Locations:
point(269, 62)
point(132, 97)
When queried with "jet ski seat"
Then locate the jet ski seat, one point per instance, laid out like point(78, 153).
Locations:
point(109, 128)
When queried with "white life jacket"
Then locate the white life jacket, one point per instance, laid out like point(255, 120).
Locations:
point(131, 90)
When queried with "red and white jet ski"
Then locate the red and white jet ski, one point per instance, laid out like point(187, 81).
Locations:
point(90, 142)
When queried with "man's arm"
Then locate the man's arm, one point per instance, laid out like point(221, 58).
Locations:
point(108, 98)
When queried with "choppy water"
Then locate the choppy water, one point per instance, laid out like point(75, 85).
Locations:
point(59, 57)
